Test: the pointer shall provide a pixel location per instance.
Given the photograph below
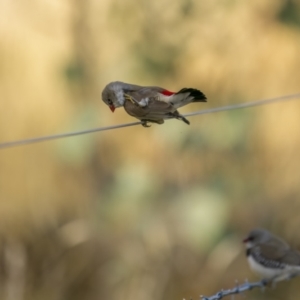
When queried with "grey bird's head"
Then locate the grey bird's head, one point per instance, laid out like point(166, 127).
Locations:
point(258, 236)
point(113, 95)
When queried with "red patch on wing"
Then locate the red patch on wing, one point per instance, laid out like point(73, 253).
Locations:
point(167, 93)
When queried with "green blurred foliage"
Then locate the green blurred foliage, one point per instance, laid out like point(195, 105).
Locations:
point(139, 213)
point(290, 13)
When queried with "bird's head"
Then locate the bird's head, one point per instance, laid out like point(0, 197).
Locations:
point(112, 95)
point(257, 236)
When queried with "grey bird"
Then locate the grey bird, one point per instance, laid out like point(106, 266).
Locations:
point(270, 256)
point(149, 103)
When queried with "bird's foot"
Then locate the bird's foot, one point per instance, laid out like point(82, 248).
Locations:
point(141, 103)
point(265, 281)
point(129, 98)
point(145, 123)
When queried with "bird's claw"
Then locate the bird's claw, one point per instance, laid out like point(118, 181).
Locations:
point(145, 124)
point(265, 281)
point(129, 98)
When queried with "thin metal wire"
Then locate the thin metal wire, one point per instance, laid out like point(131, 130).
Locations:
point(6, 145)
point(62, 135)
point(244, 105)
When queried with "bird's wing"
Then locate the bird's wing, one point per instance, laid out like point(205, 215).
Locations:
point(143, 95)
point(154, 110)
point(269, 251)
point(291, 257)
point(276, 254)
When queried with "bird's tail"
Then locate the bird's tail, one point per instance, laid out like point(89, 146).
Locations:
point(197, 95)
point(186, 96)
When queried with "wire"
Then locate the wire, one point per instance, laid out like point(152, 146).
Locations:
point(62, 135)
point(200, 112)
point(244, 105)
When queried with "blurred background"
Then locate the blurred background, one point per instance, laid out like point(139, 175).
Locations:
point(136, 213)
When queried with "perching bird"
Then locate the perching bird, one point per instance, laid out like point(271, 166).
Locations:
point(271, 257)
point(149, 103)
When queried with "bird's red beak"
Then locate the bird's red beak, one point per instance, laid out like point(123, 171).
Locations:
point(112, 108)
point(246, 240)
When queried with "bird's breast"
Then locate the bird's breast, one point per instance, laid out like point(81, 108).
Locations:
point(261, 270)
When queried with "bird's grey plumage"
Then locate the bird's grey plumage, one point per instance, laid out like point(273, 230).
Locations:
point(155, 111)
point(270, 255)
point(150, 103)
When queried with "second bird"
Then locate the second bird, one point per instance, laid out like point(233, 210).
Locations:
point(149, 103)
point(270, 256)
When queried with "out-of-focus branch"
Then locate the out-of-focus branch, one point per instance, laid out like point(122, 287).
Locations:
point(247, 286)
point(237, 290)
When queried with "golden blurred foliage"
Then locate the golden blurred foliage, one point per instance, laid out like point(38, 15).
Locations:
point(141, 213)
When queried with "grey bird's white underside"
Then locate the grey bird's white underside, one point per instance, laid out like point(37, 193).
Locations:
point(271, 257)
point(275, 274)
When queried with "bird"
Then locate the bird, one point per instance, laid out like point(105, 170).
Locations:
point(149, 103)
point(271, 257)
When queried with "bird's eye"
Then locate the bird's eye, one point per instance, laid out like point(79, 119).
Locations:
point(109, 101)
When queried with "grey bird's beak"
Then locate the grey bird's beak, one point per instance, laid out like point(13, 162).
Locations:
point(112, 108)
